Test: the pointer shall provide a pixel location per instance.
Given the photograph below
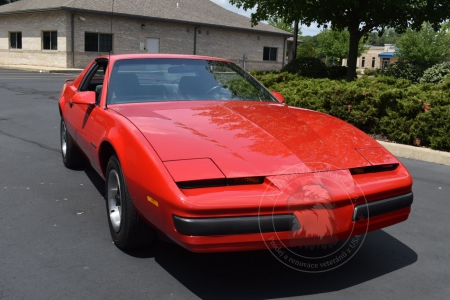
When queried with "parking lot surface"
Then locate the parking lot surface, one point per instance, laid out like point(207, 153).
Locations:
point(55, 241)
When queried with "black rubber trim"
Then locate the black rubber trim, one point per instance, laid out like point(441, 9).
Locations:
point(384, 206)
point(235, 225)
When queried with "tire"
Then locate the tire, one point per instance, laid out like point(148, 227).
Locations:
point(72, 156)
point(128, 230)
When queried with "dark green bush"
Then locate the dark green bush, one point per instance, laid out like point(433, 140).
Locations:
point(370, 72)
point(436, 74)
point(337, 72)
point(414, 114)
point(307, 66)
point(403, 70)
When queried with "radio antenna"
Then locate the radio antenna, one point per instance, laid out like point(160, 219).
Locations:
point(112, 17)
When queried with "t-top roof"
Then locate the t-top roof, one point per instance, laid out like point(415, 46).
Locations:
point(201, 12)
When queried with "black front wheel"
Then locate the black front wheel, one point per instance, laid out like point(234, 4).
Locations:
point(128, 230)
point(71, 155)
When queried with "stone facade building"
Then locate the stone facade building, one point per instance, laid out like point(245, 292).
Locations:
point(376, 57)
point(70, 33)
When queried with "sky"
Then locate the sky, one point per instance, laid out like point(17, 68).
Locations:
point(312, 30)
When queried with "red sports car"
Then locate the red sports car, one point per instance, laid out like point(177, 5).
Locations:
point(196, 149)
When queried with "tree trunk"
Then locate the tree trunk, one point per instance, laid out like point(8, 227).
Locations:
point(295, 38)
point(355, 36)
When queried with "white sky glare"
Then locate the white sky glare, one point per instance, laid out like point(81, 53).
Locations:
point(312, 30)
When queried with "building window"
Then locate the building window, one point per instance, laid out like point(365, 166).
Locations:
point(386, 62)
point(373, 62)
point(363, 62)
point(97, 42)
point(50, 40)
point(15, 39)
point(270, 54)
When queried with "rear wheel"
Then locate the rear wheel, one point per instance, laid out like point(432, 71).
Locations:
point(72, 157)
point(128, 230)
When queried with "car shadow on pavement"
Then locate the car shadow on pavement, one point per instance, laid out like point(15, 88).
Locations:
point(96, 180)
point(258, 275)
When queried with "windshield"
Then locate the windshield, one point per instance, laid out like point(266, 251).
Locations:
point(156, 80)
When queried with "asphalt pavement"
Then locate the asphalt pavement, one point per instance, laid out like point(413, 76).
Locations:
point(55, 241)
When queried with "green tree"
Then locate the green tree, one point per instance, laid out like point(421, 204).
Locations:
point(282, 24)
point(424, 48)
point(360, 17)
point(2, 2)
point(334, 44)
point(307, 49)
point(389, 36)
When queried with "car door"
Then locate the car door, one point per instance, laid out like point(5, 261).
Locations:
point(82, 116)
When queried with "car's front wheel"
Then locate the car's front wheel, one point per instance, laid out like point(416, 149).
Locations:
point(128, 230)
point(71, 155)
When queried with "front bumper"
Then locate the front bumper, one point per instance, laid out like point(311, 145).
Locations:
point(384, 206)
point(235, 225)
point(249, 232)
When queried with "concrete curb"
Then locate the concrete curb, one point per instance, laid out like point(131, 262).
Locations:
point(417, 153)
point(41, 69)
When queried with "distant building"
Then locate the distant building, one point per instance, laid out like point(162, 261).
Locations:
point(376, 57)
point(70, 33)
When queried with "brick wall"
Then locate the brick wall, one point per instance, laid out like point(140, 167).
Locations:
point(128, 34)
point(178, 38)
point(32, 26)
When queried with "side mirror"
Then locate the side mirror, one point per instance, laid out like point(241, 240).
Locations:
point(84, 98)
point(278, 96)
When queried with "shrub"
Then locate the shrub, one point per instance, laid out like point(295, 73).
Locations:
point(337, 72)
point(307, 66)
point(403, 70)
point(436, 74)
point(370, 72)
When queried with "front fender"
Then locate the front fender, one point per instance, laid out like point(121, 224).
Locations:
point(144, 172)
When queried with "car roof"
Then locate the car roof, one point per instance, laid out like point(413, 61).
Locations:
point(116, 57)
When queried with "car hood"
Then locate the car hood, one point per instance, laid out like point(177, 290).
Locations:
point(248, 138)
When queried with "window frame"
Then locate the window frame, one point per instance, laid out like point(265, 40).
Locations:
point(53, 42)
point(363, 61)
point(98, 42)
point(18, 42)
point(269, 57)
point(373, 62)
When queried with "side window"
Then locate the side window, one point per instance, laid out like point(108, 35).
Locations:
point(270, 53)
point(94, 80)
point(98, 42)
point(50, 40)
point(15, 40)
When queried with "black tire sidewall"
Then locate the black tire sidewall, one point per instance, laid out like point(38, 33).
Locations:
point(73, 158)
point(119, 238)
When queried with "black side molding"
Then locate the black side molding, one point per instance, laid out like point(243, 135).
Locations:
point(235, 225)
point(384, 206)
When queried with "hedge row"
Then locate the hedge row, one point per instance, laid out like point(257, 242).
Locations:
point(414, 114)
point(314, 68)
